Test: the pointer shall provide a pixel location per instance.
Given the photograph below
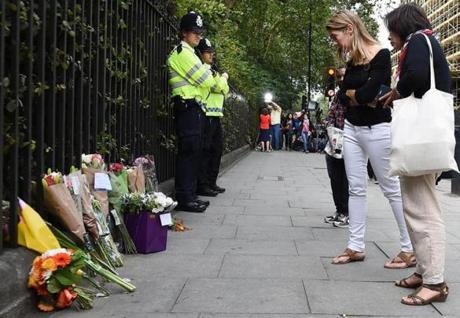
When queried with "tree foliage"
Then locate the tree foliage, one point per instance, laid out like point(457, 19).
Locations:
point(263, 44)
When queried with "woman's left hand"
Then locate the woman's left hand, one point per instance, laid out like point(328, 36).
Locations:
point(389, 97)
point(351, 95)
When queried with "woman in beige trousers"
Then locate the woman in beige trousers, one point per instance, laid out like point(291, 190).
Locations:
point(409, 29)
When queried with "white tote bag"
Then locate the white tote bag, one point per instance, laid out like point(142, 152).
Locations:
point(423, 132)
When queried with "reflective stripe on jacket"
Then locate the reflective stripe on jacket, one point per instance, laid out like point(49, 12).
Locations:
point(216, 97)
point(187, 73)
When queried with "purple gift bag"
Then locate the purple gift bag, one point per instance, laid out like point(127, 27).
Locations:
point(146, 231)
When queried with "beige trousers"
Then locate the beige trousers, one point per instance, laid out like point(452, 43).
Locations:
point(426, 226)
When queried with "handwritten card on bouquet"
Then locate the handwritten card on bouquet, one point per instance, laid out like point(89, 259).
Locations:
point(102, 182)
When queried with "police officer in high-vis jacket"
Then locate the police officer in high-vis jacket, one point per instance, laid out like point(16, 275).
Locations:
point(214, 98)
point(187, 75)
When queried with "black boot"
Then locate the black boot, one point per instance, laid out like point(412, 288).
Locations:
point(217, 188)
point(207, 192)
point(192, 206)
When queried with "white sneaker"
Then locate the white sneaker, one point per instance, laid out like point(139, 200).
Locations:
point(342, 221)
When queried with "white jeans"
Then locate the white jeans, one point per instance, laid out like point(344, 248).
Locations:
point(360, 144)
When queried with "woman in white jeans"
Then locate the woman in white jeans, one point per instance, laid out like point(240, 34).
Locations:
point(367, 133)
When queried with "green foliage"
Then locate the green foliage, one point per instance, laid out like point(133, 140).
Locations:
point(263, 44)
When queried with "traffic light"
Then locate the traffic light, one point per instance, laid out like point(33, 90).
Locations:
point(330, 82)
point(304, 102)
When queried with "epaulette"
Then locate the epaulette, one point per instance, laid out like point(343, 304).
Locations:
point(179, 48)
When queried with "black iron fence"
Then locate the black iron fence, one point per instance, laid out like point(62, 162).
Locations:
point(82, 77)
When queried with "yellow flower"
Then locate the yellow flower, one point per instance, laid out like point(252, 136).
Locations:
point(32, 283)
point(49, 264)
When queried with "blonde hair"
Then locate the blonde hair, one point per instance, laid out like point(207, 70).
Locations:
point(339, 22)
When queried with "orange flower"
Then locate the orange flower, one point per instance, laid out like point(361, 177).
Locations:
point(65, 298)
point(45, 307)
point(35, 278)
point(37, 262)
point(62, 259)
point(49, 264)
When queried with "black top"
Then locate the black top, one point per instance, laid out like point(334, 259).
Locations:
point(366, 79)
point(415, 71)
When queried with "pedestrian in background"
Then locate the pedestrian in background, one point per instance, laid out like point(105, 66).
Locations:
point(264, 130)
point(305, 131)
point(366, 133)
point(288, 129)
point(275, 124)
point(409, 31)
point(336, 166)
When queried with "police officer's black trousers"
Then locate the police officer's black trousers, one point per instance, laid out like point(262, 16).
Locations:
point(212, 152)
point(188, 118)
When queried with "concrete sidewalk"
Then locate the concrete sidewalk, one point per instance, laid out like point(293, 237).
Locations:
point(262, 250)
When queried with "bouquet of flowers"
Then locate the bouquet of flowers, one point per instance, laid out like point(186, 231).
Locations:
point(155, 202)
point(55, 275)
point(79, 189)
point(148, 165)
point(143, 222)
point(94, 161)
point(136, 179)
point(106, 245)
point(59, 202)
point(92, 164)
point(119, 180)
point(107, 274)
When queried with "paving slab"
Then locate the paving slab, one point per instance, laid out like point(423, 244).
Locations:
point(251, 247)
point(281, 203)
point(273, 233)
point(174, 265)
point(242, 296)
point(361, 298)
point(216, 209)
point(204, 231)
point(254, 220)
point(186, 246)
point(251, 266)
point(152, 295)
point(270, 210)
point(192, 219)
point(333, 234)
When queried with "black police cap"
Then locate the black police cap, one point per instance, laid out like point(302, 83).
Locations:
point(205, 46)
point(192, 22)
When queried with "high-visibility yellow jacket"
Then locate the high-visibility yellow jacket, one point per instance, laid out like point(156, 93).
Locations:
point(187, 75)
point(215, 98)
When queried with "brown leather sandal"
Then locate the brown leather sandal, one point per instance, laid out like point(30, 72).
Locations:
point(416, 300)
point(404, 283)
point(351, 256)
point(402, 260)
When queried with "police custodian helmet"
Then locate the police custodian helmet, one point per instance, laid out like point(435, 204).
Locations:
point(205, 46)
point(191, 22)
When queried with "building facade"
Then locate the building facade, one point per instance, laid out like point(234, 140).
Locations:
point(444, 16)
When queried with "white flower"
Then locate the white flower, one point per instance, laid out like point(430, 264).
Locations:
point(47, 275)
point(56, 251)
point(86, 158)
